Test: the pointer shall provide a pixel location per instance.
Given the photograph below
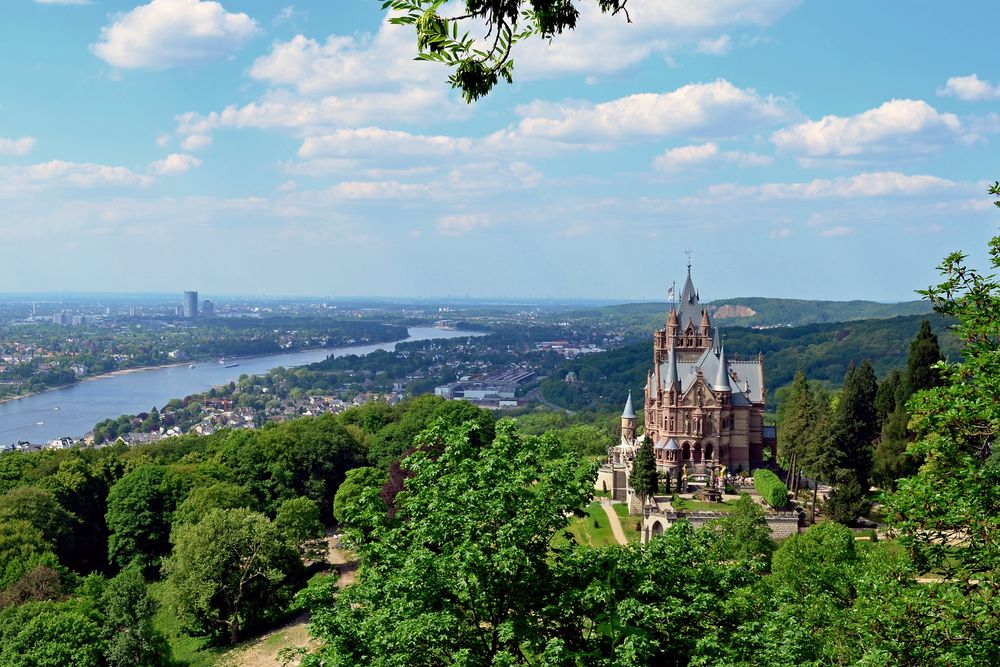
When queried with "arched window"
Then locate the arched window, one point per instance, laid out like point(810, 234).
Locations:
point(708, 451)
point(697, 452)
point(657, 528)
point(686, 450)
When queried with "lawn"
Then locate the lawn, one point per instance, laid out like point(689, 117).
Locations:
point(689, 505)
point(594, 529)
point(629, 522)
point(188, 651)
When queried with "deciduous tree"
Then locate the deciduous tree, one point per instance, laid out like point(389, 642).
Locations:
point(229, 572)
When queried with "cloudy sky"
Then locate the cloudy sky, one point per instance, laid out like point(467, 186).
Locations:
point(797, 148)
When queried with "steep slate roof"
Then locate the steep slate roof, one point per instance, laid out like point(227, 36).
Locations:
point(629, 412)
point(747, 372)
point(689, 307)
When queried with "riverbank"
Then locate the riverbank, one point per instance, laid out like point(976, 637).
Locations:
point(207, 360)
point(73, 410)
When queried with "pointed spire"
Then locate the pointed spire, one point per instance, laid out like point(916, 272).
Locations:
point(705, 324)
point(716, 345)
point(722, 376)
point(673, 379)
point(672, 317)
point(629, 411)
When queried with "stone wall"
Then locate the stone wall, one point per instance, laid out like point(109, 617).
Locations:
point(782, 524)
point(612, 479)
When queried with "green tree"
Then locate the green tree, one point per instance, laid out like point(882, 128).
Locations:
point(299, 524)
point(477, 70)
point(462, 572)
point(643, 476)
point(41, 509)
point(22, 548)
point(743, 535)
point(357, 481)
point(140, 512)
point(892, 461)
point(921, 365)
point(802, 430)
point(203, 499)
point(51, 634)
point(818, 563)
point(229, 572)
point(852, 436)
point(128, 627)
point(886, 396)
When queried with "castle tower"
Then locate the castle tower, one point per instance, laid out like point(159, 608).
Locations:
point(628, 422)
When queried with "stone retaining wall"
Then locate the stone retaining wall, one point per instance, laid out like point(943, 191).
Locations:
point(782, 524)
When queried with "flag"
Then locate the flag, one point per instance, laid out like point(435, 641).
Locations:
point(670, 293)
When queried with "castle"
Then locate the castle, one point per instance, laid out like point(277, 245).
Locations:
point(704, 409)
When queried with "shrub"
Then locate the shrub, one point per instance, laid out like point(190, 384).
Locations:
point(770, 487)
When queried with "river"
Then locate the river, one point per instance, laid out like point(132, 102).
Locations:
point(74, 410)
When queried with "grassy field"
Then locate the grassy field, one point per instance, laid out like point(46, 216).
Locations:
point(687, 505)
point(593, 529)
point(628, 523)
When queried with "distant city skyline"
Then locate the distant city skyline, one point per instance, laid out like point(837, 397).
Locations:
point(799, 149)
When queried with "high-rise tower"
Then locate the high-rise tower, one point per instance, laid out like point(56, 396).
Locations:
point(190, 305)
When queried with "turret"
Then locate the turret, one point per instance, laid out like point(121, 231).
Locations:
point(706, 326)
point(628, 421)
point(722, 375)
point(673, 381)
point(672, 324)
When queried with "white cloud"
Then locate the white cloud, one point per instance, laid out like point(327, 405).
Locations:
point(21, 146)
point(970, 88)
point(715, 47)
point(196, 142)
point(456, 225)
point(695, 110)
point(62, 2)
point(897, 125)
point(167, 33)
point(19, 180)
point(700, 155)
point(869, 184)
point(175, 163)
point(603, 43)
point(283, 110)
point(346, 63)
point(377, 141)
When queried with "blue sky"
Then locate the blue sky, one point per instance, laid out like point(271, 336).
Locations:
point(809, 149)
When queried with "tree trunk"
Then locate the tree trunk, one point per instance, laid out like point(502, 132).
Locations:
point(234, 629)
point(815, 491)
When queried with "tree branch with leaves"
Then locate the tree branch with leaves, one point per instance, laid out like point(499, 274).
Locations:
point(480, 63)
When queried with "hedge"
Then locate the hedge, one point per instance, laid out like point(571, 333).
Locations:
point(770, 487)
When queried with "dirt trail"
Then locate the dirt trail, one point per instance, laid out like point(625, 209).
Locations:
point(263, 651)
point(616, 525)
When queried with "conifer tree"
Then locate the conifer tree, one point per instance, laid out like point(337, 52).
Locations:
point(891, 459)
point(643, 478)
point(924, 353)
point(855, 424)
point(885, 397)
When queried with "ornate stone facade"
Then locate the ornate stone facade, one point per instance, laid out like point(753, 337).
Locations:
point(703, 409)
